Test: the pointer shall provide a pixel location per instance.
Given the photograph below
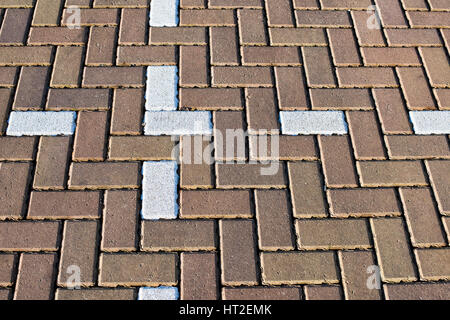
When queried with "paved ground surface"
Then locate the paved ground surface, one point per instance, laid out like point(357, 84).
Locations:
point(375, 195)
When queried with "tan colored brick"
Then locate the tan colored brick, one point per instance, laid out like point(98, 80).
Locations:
point(120, 220)
point(393, 250)
point(17, 148)
point(434, 264)
point(412, 37)
point(299, 267)
point(14, 179)
point(178, 36)
point(231, 176)
point(436, 66)
point(90, 137)
point(104, 175)
point(443, 98)
point(215, 204)
point(46, 12)
point(422, 218)
point(35, 277)
point(417, 147)
point(96, 294)
point(274, 220)
point(363, 202)
point(306, 190)
point(146, 148)
point(367, 77)
point(428, 19)
point(323, 292)
point(238, 252)
point(333, 234)
point(418, 291)
point(146, 55)
point(79, 248)
point(262, 293)
point(440, 180)
point(391, 173)
point(199, 276)
point(127, 111)
point(137, 269)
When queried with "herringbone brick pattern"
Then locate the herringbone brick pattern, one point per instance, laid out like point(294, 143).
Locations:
point(339, 204)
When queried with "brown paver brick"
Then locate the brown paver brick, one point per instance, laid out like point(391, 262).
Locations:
point(29, 236)
point(415, 87)
point(195, 171)
point(17, 148)
point(78, 99)
point(297, 37)
point(64, 205)
point(96, 294)
point(422, 217)
point(337, 161)
point(393, 250)
point(363, 202)
point(67, 67)
point(307, 196)
point(367, 77)
point(133, 26)
point(206, 17)
point(279, 13)
point(412, 37)
point(126, 115)
point(262, 293)
point(199, 276)
point(391, 173)
point(179, 36)
point(291, 88)
point(418, 291)
point(30, 93)
point(318, 69)
point(251, 27)
point(317, 19)
point(290, 148)
point(366, 36)
point(392, 111)
point(7, 265)
point(79, 248)
point(90, 137)
point(261, 110)
point(241, 77)
point(57, 36)
point(52, 163)
point(417, 147)
point(137, 269)
point(390, 57)
point(440, 181)
point(25, 56)
point(229, 137)
point(391, 13)
point(164, 235)
point(323, 292)
point(428, 19)
point(436, 65)
point(113, 77)
point(47, 12)
point(35, 277)
point(93, 17)
point(5, 294)
point(270, 56)
point(443, 98)
point(146, 55)
point(14, 178)
point(215, 204)
point(355, 268)
point(7, 76)
point(340, 99)
point(120, 220)
point(104, 175)
point(274, 220)
point(224, 46)
point(101, 47)
point(126, 148)
point(211, 99)
point(446, 221)
point(15, 25)
point(193, 66)
point(329, 234)
point(270, 175)
point(299, 267)
point(343, 47)
point(434, 264)
point(238, 252)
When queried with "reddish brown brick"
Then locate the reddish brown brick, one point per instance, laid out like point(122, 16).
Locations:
point(90, 138)
point(224, 50)
point(15, 25)
point(7, 266)
point(418, 291)
point(67, 67)
point(229, 138)
point(31, 88)
point(270, 56)
point(323, 292)
point(199, 276)
point(101, 46)
point(39, 236)
point(17, 148)
point(434, 264)
point(206, 18)
point(193, 66)
point(25, 56)
point(178, 36)
point(64, 205)
point(290, 148)
point(196, 171)
point(7, 76)
point(392, 112)
point(146, 55)
point(113, 77)
point(366, 77)
point(127, 111)
point(241, 77)
point(262, 113)
point(262, 293)
point(440, 181)
point(251, 27)
point(391, 13)
point(78, 99)
point(343, 47)
point(270, 175)
point(279, 13)
point(291, 88)
point(340, 99)
point(14, 179)
point(211, 98)
point(133, 26)
point(319, 72)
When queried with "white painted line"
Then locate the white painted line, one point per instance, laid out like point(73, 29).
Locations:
point(430, 122)
point(178, 123)
point(41, 123)
point(164, 13)
point(162, 88)
point(159, 190)
point(313, 122)
point(159, 293)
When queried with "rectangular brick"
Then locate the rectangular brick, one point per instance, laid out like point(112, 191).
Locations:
point(52, 162)
point(229, 137)
point(337, 161)
point(262, 111)
point(15, 26)
point(322, 19)
point(297, 37)
point(366, 36)
point(193, 66)
point(199, 268)
point(138, 269)
point(7, 266)
point(392, 112)
point(8, 76)
point(393, 250)
point(328, 234)
point(104, 175)
point(415, 87)
point(211, 99)
point(17, 148)
point(434, 264)
point(323, 292)
point(291, 88)
point(206, 17)
point(25, 56)
point(133, 26)
point(93, 17)
point(224, 46)
point(31, 88)
point(439, 178)
point(251, 27)
point(391, 13)
point(412, 37)
point(241, 77)
point(270, 56)
point(306, 190)
point(101, 46)
point(443, 98)
point(46, 12)
point(340, 99)
point(231, 176)
point(96, 294)
point(127, 111)
point(196, 171)
point(343, 47)
point(146, 55)
point(279, 13)
point(35, 277)
point(120, 220)
point(164, 235)
point(318, 69)
point(78, 99)
point(291, 148)
point(274, 220)
point(90, 137)
point(67, 67)
point(15, 180)
point(367, 77)
point(39, 236)
point(390, 57)
point(363, 202)
point(57, 36)
point(178, 36)
point(113, 77)
point(261, 293)
point(417, 147)
point(428, 19)
point(436, 66)
point(79, 248)
point(299, 267)
point(143, 148)
point(238, 252)
point(391, 173)
point(64, 205)
point(215, 204)
point(418, 291)
point(366, 139)
point(422, 217)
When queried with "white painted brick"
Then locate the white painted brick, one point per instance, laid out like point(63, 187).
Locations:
point(164, 13)
point(178, 123)
point(159, 293)
point(430, 122)
point(159, 190)
point(162, 88)
point(41, 123)
point(313, 122)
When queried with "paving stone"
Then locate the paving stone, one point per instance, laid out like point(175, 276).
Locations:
point(262, 293)
point(57, 36)
point(162, 88)
point(340, 99)
point(199, 276)
point(160, 293)
point(5, 294)
point(133, 26)
point(264, 148)
point(195, 169)
point(270, 56)
point(261, 110)
point(391, 173)
point(390, 57)
point(137, 269)
point(367, 36)
point(436, 67)
point(318, 69)
point(224, 49)
point(297, 37)
point(14, 29)
point(164, 13)
point(415, 88)
point(17, 148)
point(113, 77)
point(418, 291)
point(127, 111)
point(39, 236)
point(417, 147)
point(323, 292)
point(263, 176)
point(434, 264)
point(96, 294)
point(30, 92)
point(391, 14)
point(159, 178)
point(78, 99)
point(251, 27)
point(211, 99)
point(43, 123)
point(343, 47)
point(146, 55)
point(241, 77)
point(366, 77)
point(430, 122)
point(206, 17)
point(164, 235)
point(177, 123)
point(313, 122)
point(392, 111)
point(178, 36)
point(441, 183)
point(328, 19)
point(7, 264)
point(193, 66)
point(290, 88)
point(412, 37)
point(101, 46)
point(148, 148)
point(15, 180)
point(89, 142)
point(25, 56)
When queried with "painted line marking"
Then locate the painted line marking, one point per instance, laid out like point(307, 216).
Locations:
point(159, 293)
point(162, 88)
point(178, 123)
point(430, 122)
point(41, 123)
point(164, 13)
point(313, 122)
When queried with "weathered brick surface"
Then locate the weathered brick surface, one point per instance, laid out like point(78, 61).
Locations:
point(335, 206)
